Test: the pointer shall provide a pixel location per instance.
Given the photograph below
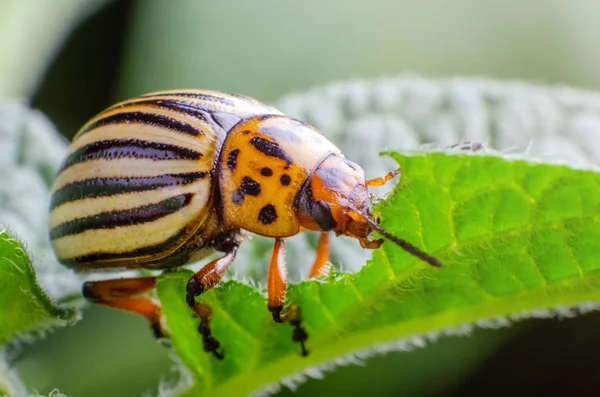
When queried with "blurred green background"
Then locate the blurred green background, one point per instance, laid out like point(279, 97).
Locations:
point(72, 58)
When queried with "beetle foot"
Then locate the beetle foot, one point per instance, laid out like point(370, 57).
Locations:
point(158, 330)
point(299, 336)
point(211, 345)
point(276, 312)
point(160, 333)
point(294, 317)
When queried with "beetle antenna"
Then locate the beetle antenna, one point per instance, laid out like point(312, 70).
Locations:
point(405, 245)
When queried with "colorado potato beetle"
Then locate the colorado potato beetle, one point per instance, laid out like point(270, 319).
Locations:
point(169, 177)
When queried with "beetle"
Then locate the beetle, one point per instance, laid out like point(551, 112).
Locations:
point(169, 177)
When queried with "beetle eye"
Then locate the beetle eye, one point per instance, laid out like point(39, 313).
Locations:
point(322, 215)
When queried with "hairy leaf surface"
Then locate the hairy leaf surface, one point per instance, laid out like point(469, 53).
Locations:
point(513, 237)
point(24, 306)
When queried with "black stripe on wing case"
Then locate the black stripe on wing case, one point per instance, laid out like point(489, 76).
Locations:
point(177, 106)
point(129, 217)
point(102, 187)
point(195, 95)
point(157, 120)
point(130, 148)
point(149, 250)
point(223, 120)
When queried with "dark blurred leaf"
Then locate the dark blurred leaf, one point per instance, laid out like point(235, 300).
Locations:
point(30, 33)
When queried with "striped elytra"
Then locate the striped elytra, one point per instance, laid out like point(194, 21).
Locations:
point(166, 178)
point(142, 181)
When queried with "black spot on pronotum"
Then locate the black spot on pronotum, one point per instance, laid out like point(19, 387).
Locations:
point(232, 159)
point(250, 186)
point(285, 179)
point(267, 214)
point(246, 132)
point(266, 171)
point(237, 197)
point(271, 149)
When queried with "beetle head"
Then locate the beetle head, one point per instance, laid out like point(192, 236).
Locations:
point(336, 197)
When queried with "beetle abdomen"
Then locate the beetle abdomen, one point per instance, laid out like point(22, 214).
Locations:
point(136, 183)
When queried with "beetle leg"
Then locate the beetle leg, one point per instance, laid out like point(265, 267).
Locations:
point(382, 179)
point(121, 294)
point(319, 268)
point(200, 282)
point(276, 288)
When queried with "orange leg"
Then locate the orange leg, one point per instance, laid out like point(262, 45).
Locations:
point(200, 282)
point(277, 281)
point(276, 288)
point(122, 294)
point(382, 180)
point(319, 268)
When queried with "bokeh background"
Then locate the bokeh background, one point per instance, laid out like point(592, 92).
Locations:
point(73, 58)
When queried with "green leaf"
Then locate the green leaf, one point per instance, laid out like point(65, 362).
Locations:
point(513, 236)
point(24, 307)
